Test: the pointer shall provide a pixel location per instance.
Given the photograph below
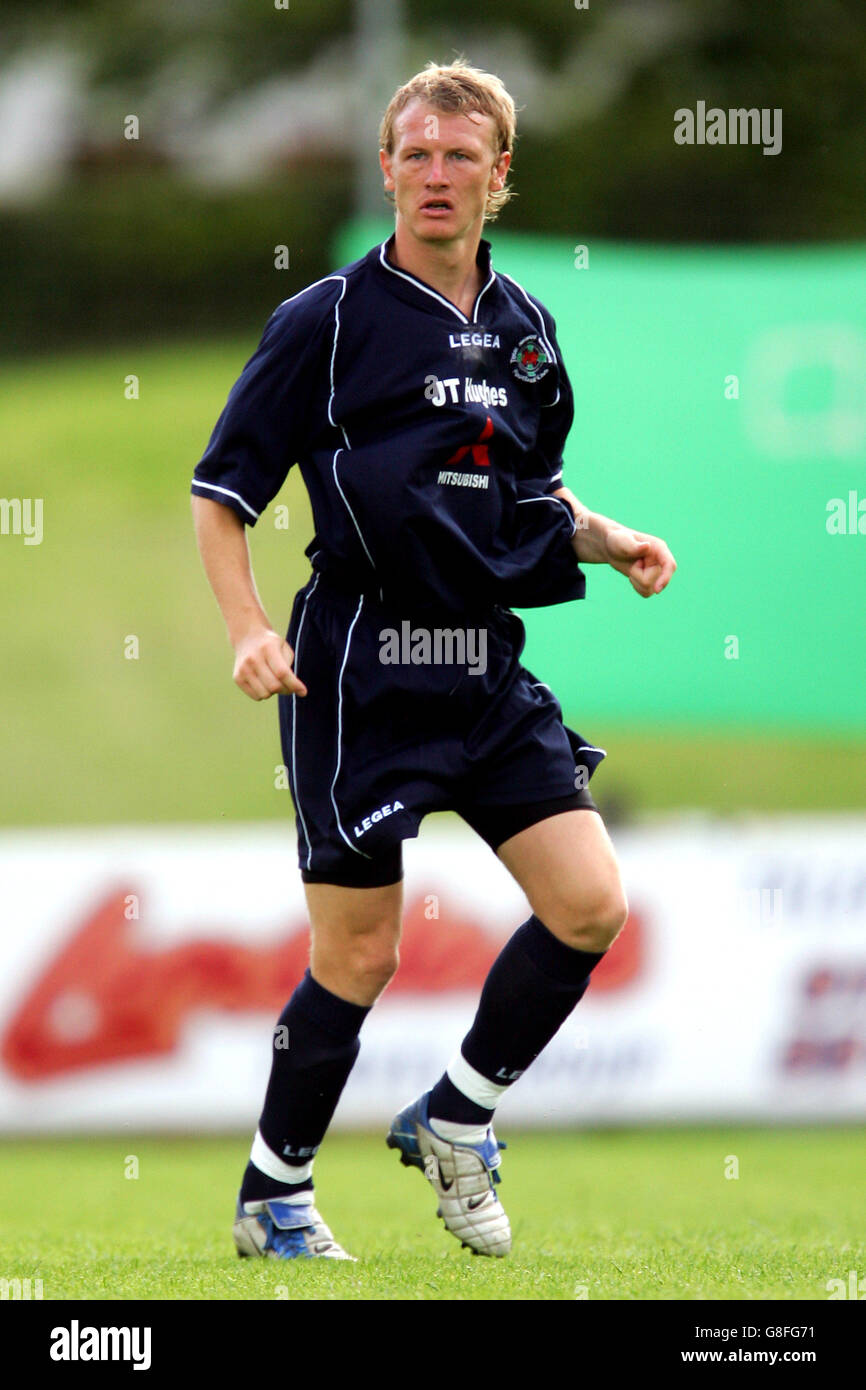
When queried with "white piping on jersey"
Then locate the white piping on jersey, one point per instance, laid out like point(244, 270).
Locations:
point(583, 747)
point(334, 355)
point(558, 501)
point(196, 482)
point(340, 731)
point(556, 477)
point(481, 293)
point(349, 509)
point(419, 285)
point(236, 495)
point(324, 280)
point(294, 720)
point(342, 429)
point(543, 336)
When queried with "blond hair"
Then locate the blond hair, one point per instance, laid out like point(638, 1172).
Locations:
point(457, 87)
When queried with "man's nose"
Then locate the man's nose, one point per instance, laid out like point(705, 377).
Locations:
point(437, 172)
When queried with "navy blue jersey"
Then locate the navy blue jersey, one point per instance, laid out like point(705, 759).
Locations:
point(429, 442)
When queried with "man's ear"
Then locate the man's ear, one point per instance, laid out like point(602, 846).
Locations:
point(385, 164)
point(500, 171)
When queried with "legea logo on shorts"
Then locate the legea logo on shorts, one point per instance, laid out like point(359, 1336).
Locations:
point(438, 646)
point(373, 819)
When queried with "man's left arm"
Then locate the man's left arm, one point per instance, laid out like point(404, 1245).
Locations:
point(645, 560)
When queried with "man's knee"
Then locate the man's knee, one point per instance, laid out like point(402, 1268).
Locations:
point(357, 964)
point(588, 918)
point(355, 936)
point(373, 959)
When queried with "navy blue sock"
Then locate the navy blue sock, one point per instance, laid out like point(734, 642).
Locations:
point(315, 1045)
point(256, 1186)
point(533, 985)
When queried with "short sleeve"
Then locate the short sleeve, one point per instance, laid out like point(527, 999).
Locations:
point(270, 415)
point(557, 418)
point(542, 469)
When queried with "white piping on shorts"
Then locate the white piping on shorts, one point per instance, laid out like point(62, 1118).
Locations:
point(340, 731)
point(294, 722)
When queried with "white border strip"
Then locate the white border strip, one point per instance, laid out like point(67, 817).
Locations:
point(543, 335)
point(197, 482)
point(340, 731)
point(294, 721)
point(274, 1167)
point(419, 284)
point(472, 1084)
point(481, 295)
point(349, 509)
point(548, 498)
point(333, 359)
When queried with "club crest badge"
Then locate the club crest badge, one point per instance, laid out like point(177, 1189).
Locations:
point(529, 360)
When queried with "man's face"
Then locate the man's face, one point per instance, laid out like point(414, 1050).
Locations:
point(442, 168)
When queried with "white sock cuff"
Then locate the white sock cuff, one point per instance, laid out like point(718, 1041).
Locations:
point(472, 1084)
point(459, 1134)
point(267, 1162)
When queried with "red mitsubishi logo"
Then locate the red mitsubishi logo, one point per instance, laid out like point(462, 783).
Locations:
point(478, 450)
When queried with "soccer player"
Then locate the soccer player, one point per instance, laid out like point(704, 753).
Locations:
point(424, 398)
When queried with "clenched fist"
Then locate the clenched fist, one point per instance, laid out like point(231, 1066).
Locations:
point(263, 666)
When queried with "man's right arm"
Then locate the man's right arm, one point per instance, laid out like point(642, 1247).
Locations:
point(263, 659)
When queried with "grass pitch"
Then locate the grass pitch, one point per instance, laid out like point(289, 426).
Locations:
point(619, 1215)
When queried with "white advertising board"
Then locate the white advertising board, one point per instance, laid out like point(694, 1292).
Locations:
point(142, 971)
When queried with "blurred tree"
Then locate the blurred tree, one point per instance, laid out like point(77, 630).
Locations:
point(219, 81)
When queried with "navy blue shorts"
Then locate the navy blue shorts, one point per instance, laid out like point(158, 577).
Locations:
point(407, 714)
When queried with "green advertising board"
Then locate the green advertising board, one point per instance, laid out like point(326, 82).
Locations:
point(720, 400)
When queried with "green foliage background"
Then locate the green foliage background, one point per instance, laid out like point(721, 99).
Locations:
point(127, 248)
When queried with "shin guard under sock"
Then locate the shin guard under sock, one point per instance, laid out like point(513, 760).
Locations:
point(314, 1049)
point(532, 987)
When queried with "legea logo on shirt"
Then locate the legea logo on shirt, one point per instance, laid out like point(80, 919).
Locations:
point(465, 340)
